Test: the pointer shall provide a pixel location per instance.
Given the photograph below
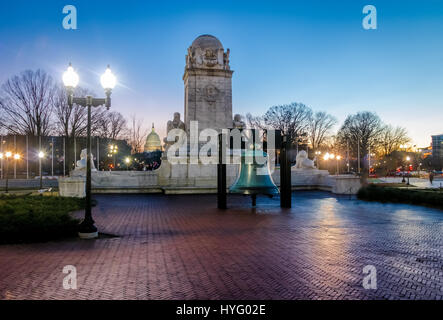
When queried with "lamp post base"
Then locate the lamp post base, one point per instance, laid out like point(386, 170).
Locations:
point(88, 235)
point(87, 230)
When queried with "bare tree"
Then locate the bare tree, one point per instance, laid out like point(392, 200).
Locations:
point(361, 131)
point(137, 135)
point(26, 103)
point(292, 119)
point(391, 138)
point(320, 125)
point(71, 121)
point(111, 125)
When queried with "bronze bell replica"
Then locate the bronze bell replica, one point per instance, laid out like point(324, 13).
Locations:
point(254, 178)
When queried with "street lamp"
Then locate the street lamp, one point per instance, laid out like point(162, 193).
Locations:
point(87, 230)
point(127, 160)
point(41, 155)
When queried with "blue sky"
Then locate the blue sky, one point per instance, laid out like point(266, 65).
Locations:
point(315, 52)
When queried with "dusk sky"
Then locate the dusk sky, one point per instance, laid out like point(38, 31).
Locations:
point(314, 52)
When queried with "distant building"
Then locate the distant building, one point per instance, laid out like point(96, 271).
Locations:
point(437, 147)
point(153, 142)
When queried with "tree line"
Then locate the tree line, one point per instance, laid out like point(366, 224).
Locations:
point(363, 132)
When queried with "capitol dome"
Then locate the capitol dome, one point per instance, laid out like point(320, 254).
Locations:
point(206, 41)
point(153, 142)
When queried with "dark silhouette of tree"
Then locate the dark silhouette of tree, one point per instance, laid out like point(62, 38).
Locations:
point(26, 103)
point(391, 138)
point(320, 125)
point(365, 128)
point(292, 119)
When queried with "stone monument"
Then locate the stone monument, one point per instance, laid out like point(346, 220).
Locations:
point(208, 86)
point(208, 100)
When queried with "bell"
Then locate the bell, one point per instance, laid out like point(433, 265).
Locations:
point(249, 182)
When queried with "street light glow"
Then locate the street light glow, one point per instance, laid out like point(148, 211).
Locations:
point(17, 156)
point(8, 154)
point(108, 80)
point(1, 155)
point(127, 160)
point(41, 154)
point(70, 77)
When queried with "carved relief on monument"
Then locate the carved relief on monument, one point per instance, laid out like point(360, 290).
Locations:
point(209, 58)
point(211, 93)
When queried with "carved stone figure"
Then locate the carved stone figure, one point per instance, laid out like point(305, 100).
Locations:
point(238, 123)
point(175, 123)
point(226, 59)
point(303, 162)
point(81, 164)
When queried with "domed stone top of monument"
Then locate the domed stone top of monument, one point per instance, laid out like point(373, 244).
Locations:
point(207, 41)
point(153, 141)
point(206, 52)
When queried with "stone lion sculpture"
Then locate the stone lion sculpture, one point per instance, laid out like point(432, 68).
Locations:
point(81, 164)
point(303, 162)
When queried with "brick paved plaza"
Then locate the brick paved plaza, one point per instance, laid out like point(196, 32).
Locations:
point(181, 247)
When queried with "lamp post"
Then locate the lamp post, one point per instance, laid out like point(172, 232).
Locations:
point(113, 149)
point(87, 230)
point(41, 155)
point(317, 155)
point(338, 159)
point(127, 160)
point(403, 180)
point(8, 155)
point(408, 159)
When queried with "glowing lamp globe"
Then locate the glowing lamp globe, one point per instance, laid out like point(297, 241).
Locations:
point(108, 80)
point(8, 154)
point(70, 78)
point(41, 154)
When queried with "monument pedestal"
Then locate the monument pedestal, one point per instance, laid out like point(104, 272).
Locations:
point(73, 187)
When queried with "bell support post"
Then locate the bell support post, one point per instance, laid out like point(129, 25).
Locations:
point(221, 174)
point(285, 175)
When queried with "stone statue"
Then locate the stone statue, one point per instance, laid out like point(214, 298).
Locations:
point(81, 164)
point(303, 162)
point(238, 123)
point(175, 123)
point(226, 59)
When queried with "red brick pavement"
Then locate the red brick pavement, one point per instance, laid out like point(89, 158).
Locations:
point(181, 247)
